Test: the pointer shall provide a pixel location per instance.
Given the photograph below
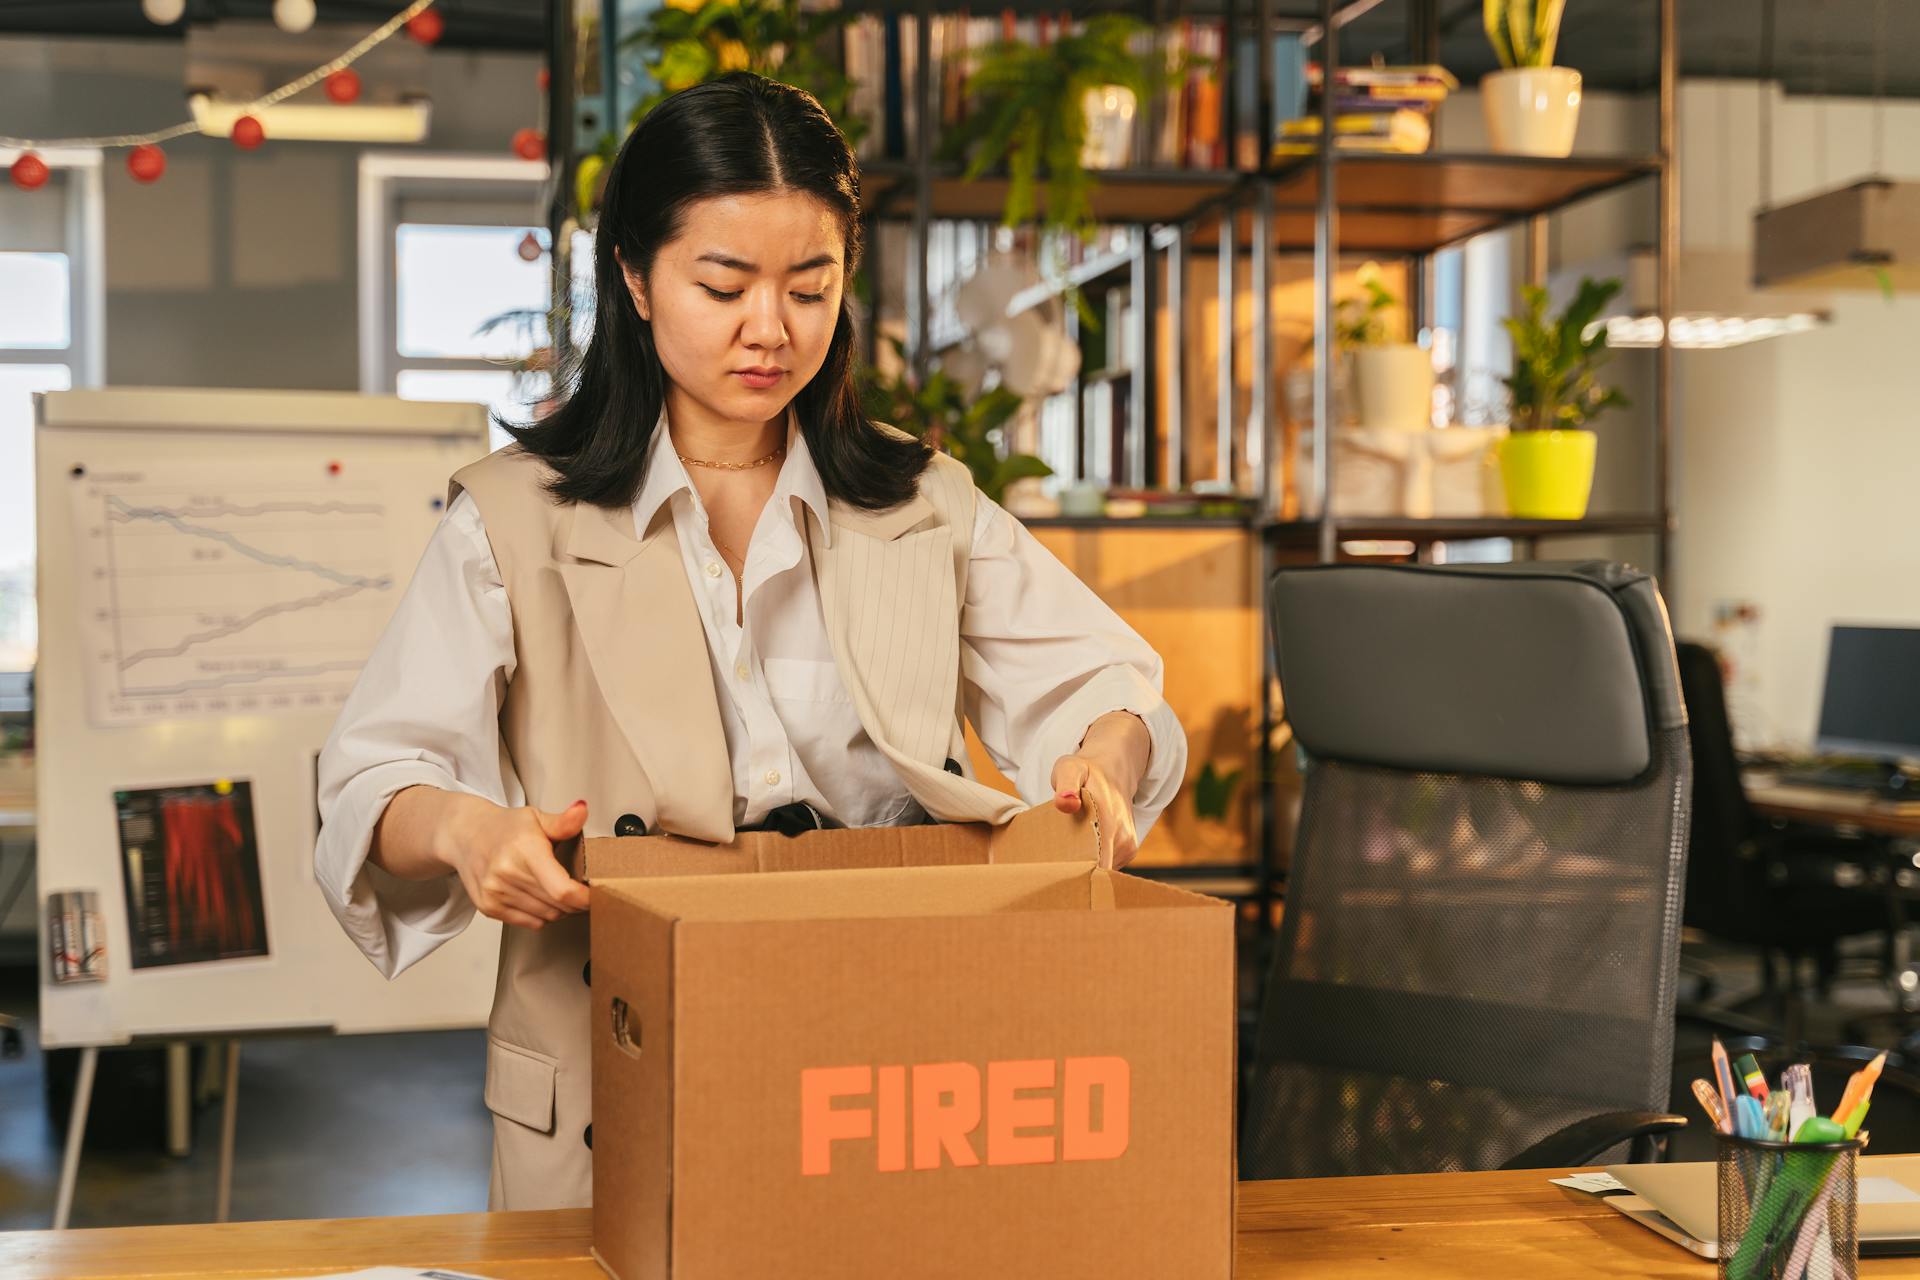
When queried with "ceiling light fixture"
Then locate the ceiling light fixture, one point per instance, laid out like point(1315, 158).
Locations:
point(404, 121)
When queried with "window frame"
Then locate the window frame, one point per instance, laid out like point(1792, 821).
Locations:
point(77, 174)
point(387, 180)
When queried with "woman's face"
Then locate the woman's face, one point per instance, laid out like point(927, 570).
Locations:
point(743, 304)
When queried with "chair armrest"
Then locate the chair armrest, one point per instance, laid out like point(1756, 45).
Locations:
point(1581, 1142)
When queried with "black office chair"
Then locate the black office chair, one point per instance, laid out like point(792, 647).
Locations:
point(1787, 896)
point(1477, 961)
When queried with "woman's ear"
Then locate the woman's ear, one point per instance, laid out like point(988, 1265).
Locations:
point(636, 287)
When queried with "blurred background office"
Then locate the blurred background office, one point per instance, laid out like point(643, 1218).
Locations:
point(1636, 285)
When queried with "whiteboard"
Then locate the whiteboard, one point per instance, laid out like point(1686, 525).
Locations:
point(213, 568)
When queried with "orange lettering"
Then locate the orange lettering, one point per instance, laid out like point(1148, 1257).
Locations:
point(893, 1119)
point(939, 1124)
point(1079, 1140)
point(1007, 1111)
point(821, 1123)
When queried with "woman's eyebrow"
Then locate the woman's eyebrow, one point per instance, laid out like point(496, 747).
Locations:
point(737, 264)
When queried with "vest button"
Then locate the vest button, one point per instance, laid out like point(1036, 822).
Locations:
point(586, 973)
point(587, 1137)
point(628, 824)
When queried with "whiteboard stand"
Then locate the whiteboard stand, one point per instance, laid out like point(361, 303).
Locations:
point(76, 1130)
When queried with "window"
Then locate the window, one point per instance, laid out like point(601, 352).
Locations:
point(50, 312)
point(455, 280)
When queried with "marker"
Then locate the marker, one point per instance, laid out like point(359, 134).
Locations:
point(1748, 1069)
point(1724, 1074)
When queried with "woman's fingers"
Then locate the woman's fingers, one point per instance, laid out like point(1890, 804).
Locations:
point(1070, 776)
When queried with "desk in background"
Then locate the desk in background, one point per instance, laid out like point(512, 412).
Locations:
point(1832, 808)
point(1474, 1226)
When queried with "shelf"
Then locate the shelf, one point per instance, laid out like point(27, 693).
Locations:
point(1137, 522)
point(1306, 533)
point(1412, 204)
point(1122, 196)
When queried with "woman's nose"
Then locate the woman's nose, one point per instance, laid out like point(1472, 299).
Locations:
point(764, 325)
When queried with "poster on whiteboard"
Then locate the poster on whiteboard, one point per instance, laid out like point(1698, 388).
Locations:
point(247, 588)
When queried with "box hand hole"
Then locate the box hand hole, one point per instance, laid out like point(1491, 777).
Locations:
point(626, 1028)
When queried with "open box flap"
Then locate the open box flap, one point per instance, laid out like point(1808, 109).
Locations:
point(1041, 834)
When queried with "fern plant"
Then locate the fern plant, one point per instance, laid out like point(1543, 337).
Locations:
point(1555, 360)
point(1523, 32)
point(1025, 110)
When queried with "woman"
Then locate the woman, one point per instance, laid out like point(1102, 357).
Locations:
point(705, 595)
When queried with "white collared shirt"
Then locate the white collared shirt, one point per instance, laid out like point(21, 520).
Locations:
point(1042, 658)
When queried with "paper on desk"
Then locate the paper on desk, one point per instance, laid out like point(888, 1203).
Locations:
point(1592, 1183)
point(395, 1273)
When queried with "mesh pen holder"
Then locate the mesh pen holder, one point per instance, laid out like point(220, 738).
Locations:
point(1788, 1210)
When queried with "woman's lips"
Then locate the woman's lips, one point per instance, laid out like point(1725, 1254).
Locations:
point(758, 380)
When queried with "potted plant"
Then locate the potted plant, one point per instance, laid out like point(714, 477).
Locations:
point(941, 412)
point(1393, 381)
point(1029, 107)
point(688, 42)
point(1546, 461)
point(1532, 107)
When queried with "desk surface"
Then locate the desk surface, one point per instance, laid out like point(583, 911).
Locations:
point(1828, 807)
point(1474, 1226)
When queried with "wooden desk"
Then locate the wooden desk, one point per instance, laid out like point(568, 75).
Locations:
point(1474, 1226)
point(1825, 807)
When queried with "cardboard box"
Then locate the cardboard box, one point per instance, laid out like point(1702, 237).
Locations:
point(923, 1051)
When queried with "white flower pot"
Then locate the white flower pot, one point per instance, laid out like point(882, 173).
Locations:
point(1532, 111)
point(1393, 387)
point(1110, 109)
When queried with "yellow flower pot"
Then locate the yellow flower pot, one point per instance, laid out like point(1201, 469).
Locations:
point(1548, 474)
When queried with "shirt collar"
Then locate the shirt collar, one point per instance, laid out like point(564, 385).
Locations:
point(666, 475)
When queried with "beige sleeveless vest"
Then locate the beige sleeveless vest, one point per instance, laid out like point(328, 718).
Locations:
point(612, 700)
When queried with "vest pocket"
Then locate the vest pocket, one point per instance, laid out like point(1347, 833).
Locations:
point(520, 1084)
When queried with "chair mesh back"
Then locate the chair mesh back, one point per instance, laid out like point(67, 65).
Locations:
point(1466, 965)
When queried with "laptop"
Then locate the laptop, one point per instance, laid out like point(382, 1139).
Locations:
point(1679, 1202)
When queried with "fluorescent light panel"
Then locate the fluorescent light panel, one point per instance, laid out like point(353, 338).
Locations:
point(319, 122)
point(1705, 333)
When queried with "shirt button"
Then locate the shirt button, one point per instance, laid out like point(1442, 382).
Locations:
point(773, 777)
point(713, 569)
point(743, 671)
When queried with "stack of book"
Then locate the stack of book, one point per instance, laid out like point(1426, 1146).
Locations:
point(1377, 109)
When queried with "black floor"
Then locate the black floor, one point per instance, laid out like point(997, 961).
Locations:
point(354, 1126)
point(394, 1124)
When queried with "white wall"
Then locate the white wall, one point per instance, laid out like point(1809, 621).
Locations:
point(235, 269)
point(1798, 459)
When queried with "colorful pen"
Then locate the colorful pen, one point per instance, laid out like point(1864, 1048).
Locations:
point(1723, 1074)
point(1748, 1069)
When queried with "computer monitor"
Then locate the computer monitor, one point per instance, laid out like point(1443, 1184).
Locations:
point(1872, 702)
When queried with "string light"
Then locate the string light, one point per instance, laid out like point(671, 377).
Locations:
point(374, 38)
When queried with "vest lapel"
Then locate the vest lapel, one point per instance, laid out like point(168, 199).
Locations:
point(643, 637)
point(887, 591)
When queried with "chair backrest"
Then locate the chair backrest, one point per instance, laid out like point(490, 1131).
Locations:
point(1722, 886)
point(1482, 921)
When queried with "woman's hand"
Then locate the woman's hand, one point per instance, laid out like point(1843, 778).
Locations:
point(505, 859)
point(1106, 772)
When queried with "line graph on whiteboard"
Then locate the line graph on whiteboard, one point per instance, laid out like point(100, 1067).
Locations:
point(229, 592)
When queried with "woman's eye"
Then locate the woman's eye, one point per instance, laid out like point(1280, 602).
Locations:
point(811, 297)
point(718, 296)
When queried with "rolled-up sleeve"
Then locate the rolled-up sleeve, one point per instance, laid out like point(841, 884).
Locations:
point(424, 710)
point(1042, 657)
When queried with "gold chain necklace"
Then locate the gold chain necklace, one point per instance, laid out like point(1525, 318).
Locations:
point(732, 466)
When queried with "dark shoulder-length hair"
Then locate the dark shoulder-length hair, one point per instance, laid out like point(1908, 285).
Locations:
point(740, 134)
